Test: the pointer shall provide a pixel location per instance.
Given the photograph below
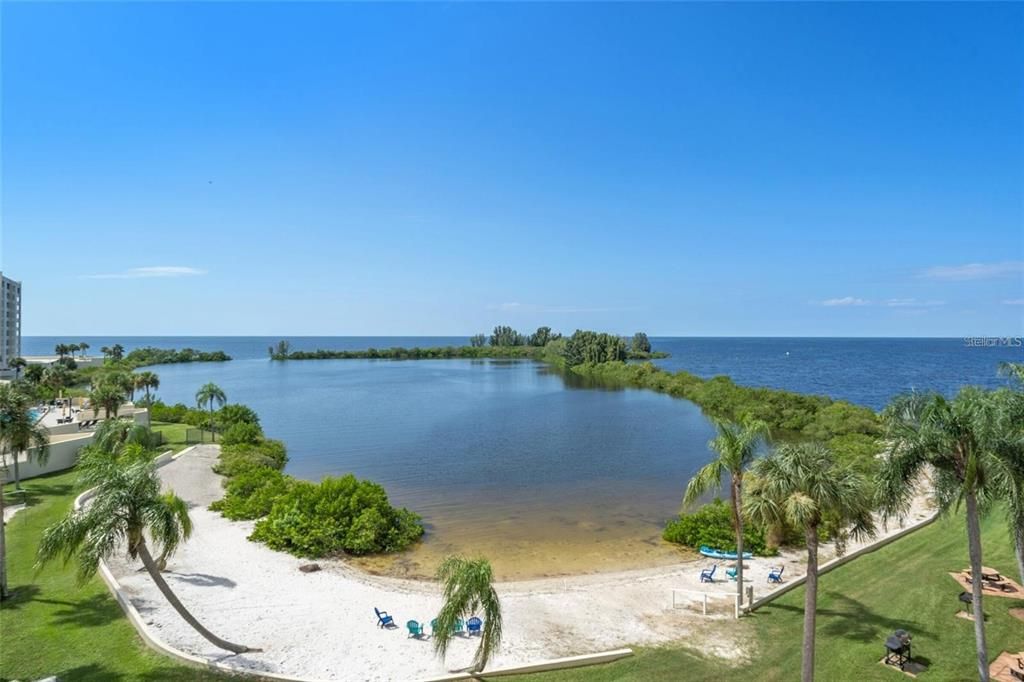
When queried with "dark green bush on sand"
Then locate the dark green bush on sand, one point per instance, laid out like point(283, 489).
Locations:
point(337, 515)
point(251, 493)
point(711, 525)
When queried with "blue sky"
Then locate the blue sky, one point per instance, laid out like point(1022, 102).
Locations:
point(686, 169)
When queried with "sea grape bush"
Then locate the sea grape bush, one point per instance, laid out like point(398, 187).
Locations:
point(711, 525)
point(251, 493)
point(335, 516)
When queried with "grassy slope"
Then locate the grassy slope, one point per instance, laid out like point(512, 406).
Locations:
point(903, 585)
point(53, 626)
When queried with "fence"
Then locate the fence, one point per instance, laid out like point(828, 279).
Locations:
point(201, 436)
point(728, 600)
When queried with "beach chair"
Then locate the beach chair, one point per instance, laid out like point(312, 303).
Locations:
point(473, 625)
point(415, 629)
point(731, 572)
point(707, 575)
point(775, 574)
point(457, 628)
point(383, 619)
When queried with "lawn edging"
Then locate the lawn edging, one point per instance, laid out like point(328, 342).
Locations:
point(154, 642)
point(839, 561)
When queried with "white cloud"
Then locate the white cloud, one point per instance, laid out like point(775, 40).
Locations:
point(153, 271)
point(845, 301)
point(537, 308)
point(1014, 301)
point(912, 303)
point(972, 271)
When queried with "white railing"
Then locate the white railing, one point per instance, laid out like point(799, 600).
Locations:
point(704, 596)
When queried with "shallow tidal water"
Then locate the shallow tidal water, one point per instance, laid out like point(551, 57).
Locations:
point(503, 459)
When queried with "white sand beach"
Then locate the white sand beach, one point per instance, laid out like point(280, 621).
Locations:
point(322, 625)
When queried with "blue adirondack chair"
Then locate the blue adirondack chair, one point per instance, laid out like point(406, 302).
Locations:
point(457, 629)
point(775, 574)
point(707, 575)
point(731, 572)
point(415, 629)
point(473, 625)
point(383, 619)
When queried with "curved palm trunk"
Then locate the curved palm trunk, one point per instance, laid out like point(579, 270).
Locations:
point(974, 548)
point(737, 506)
point(810, 604)
point(154, 573)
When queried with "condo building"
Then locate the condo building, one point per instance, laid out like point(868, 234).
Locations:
point(10, 323)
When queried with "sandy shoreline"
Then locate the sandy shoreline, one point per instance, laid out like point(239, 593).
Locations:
point(322, 625)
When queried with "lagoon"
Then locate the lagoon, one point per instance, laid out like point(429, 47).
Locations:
point(508, 459)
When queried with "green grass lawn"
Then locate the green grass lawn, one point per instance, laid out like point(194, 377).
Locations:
point(52, 626)
point(903, 585)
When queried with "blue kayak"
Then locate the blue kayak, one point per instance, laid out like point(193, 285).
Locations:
point(719, 554)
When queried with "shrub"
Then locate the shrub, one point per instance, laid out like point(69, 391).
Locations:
point(711, 525)
point(240, 457)
point(242, 432)
point(337, 515)
point(251, 493)
point(229, 415)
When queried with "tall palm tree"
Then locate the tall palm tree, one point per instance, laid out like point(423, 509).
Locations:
point(468, 590)
point(106, 352)
point(146, 381)
point(1008, 466)
point(61, 349)
point(17, 364)
point(19, 431)
point(1013, 370)
point(83, 346)
point(117, 351)
point(803, 486)
point(109, 396)
point(958, 440)
point(58, 377)
point(736, 446)
point(126, 504)
point(207, 395)
point(72, 349)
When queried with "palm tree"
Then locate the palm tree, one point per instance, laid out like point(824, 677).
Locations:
point(736, 447)
point(83, 346)
point(1013, 370)
point(117, 351)
point(106, 352)
point(109, 396)
point(209, 394)
point(72, 348)
point(61, 349)
point(34, 373)
point(468, 590)
point(17, 364)
point(126, 504)
point(802, 485)
point(1008, 466)
point(959, 440)
point(148, 380)
point(19, 431)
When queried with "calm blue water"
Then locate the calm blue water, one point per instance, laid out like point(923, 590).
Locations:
point(510, 460)
point(864, 371)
